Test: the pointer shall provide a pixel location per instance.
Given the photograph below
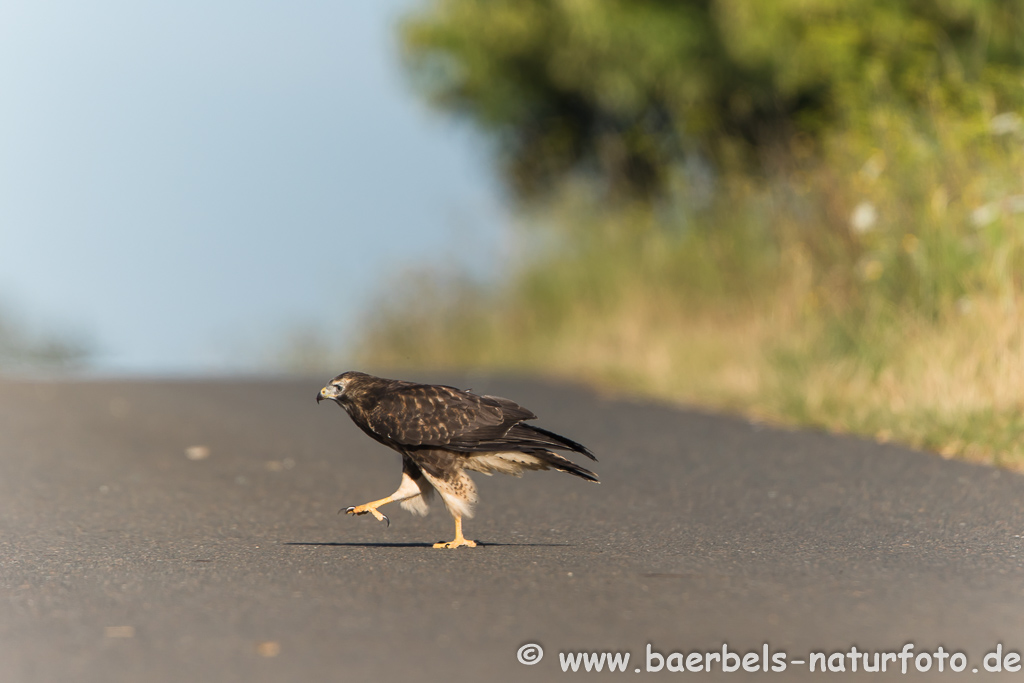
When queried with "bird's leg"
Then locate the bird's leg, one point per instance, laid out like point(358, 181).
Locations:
point(372, 509)
point(460, 540)
point(408, 489)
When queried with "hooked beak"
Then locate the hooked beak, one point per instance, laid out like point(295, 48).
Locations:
point(328, 393)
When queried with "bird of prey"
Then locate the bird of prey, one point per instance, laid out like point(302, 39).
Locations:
point(441, 432)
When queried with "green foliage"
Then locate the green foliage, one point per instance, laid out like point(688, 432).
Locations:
point(622, 91)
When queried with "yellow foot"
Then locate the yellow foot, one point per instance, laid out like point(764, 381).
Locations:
point(371, 508)
point(456, 543)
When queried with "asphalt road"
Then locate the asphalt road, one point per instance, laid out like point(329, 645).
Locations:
point(121, 559)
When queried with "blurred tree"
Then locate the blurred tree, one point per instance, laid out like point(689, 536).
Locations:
point(622, 91)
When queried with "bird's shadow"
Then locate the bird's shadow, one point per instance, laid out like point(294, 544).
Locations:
point(483, 544)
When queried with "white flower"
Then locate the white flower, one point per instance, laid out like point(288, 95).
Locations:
point(863, 218)
point(985, 214)
point(1005, 123)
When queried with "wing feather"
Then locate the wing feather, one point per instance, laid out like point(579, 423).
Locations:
point(415, 417)
point(423, 415)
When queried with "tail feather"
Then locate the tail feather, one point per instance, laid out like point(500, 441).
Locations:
point(515, 462)
point(559, 440)
point(524, 437)
point(563, 464)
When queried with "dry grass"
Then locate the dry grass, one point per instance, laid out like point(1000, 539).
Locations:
point(955, 386)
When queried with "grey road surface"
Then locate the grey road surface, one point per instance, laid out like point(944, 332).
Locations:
point(122, 559)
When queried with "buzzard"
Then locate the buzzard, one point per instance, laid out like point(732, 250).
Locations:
point(441, 432)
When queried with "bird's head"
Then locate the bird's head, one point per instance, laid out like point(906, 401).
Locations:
point(335, 389)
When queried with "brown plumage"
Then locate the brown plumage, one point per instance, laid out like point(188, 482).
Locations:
point(441, 432)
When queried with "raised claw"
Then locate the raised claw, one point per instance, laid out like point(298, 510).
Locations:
point(350, 510)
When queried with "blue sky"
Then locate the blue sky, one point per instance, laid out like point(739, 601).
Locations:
point(184, 184)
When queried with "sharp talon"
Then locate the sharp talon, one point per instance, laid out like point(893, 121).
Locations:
point(350, 508)
point(386, 520)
